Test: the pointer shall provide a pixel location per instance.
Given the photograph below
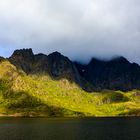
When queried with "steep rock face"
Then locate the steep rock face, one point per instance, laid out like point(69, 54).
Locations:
point(26, 60)
point(23, 59)
point(116, 74)
point(55, 64)
point(40, 63)
point(61, 66)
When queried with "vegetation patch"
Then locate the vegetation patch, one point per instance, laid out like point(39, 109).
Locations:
point(40, 95)
point(114, 97)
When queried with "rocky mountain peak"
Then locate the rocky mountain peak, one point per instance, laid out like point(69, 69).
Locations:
point(23, 53)
point(60, 65)
point(120, 59)
point(56, 53)
point(23, 59)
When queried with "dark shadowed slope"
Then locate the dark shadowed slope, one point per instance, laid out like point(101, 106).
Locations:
point(116, 74)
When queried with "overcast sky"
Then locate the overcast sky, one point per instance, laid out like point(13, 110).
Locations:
point(78, 29)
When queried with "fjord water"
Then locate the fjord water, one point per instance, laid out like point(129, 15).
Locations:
point(70, 129)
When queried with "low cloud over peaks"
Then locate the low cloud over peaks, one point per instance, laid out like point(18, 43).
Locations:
point(77, 28)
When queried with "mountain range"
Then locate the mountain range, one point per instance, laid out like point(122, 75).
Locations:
point(115, 74)
point(39, 85)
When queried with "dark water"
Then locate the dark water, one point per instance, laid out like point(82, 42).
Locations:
point(70, 129)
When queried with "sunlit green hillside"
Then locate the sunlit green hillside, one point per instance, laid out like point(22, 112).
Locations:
point(39, 95)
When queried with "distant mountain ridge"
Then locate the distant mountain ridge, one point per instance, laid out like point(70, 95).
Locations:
point(115, 74)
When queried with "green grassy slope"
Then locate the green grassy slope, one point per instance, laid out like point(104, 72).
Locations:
point(39, 95)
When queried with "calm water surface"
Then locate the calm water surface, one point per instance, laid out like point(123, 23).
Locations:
point(70, 129)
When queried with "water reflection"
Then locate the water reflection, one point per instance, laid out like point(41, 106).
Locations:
point(70, 129)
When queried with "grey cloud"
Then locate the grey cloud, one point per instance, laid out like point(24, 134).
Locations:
point(77, 28)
